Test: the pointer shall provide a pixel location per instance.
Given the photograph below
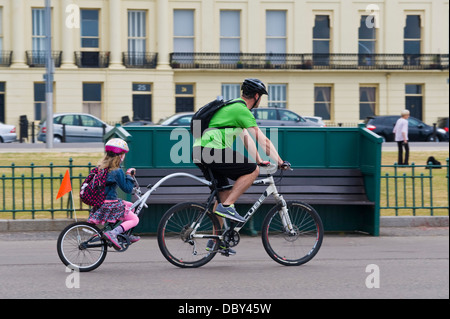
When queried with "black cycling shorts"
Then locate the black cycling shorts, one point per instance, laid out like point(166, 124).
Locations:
point(224, 164)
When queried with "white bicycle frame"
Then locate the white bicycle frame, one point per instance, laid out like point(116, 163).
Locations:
point(270, 190)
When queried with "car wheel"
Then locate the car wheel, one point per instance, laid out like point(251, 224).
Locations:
point(431, 138)
point(57, 139)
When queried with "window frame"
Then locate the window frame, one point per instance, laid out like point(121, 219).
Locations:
point(90, 48)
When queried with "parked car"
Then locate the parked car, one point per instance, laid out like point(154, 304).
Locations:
point(442, 123)
point(264, 117)
point(139, 123)
point(178, 119)
point(79, 127)
point(315, 119)
point(7, 133)
point(417, 130)
point(271, 116)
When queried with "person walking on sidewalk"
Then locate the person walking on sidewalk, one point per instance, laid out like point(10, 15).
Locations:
point(401, 137)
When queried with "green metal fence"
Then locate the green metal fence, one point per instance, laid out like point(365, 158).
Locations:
point(415, 188)
point(32, 189)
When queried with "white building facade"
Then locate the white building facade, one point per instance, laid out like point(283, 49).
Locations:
point(148, 59)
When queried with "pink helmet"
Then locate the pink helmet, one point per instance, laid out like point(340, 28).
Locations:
point(116, 145)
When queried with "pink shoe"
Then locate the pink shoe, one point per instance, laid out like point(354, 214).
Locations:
point(134, 238)
point(113, 239)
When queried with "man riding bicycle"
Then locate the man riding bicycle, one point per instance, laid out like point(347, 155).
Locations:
point(214, 149)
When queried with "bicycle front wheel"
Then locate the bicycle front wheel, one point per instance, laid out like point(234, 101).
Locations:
point(176, 238)
point(81, 246)
point(296, 247)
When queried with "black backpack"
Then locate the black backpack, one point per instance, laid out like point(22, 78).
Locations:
point(434, 162)
point(203, 116)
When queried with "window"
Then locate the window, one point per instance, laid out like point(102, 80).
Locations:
point(38, 36)
point(322, 102)
point(412, 35)
point(2, 102)
point(265, 114)
point(367, 101)
point(286, 115)
point(1, 33)
point(231, 91)
point(366, 42)
point(137, 38)
point(321, 40)
point(277, 95)
point(183, 35)
point(414, 99)
point(40, 106)
point(412, 40)
point(142, 101)
point(89, 121)
point(72, 120)
point(38, 29)
point(275, 36)
point(89, 28)
point(92, 99)
point(184, 98)
point(230, 35)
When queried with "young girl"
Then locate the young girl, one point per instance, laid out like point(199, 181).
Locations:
point(114, 208)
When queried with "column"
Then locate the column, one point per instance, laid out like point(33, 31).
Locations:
point(18, 31)
point(163, 35)
point(71, 23)
point(115, 35)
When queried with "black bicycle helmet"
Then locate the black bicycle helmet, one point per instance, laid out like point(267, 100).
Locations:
point(252, 86)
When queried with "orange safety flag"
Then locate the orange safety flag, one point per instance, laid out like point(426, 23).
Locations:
point(65, 186)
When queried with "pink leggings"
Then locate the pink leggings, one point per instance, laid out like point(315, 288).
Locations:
point(130, 219)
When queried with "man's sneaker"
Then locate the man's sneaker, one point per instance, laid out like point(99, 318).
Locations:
point(229, 212)
point(113, 239)
point(222, 248)
point(209, 245)
point(226, 251)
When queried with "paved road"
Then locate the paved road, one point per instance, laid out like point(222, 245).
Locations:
point(413, 265)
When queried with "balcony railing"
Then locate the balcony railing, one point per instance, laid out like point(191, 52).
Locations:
point(309, 61)
point(37, 58)
point(89, 59)
point(5, 58)
point(140, 60)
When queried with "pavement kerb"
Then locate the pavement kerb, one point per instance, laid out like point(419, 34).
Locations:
point(28, 225)
point(414, 221)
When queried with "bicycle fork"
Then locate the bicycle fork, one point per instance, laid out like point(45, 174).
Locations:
point(283, 212)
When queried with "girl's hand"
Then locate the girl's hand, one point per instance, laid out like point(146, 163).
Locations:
point(131, 171)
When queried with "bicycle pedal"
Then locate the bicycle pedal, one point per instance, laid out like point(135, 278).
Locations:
point(227, 252)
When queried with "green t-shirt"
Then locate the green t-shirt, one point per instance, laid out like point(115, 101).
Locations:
point(235, 117)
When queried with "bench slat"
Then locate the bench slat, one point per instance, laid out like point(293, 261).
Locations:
point(314, 186)
point(259, 190)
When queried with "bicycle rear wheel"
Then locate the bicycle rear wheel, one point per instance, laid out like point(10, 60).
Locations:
point(81, 246)
point(175, 238)
point(297, 247)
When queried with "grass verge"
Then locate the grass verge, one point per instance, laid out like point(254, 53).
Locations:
point(39, 192)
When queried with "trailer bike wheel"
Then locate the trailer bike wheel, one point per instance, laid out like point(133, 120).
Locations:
point(81, 247)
